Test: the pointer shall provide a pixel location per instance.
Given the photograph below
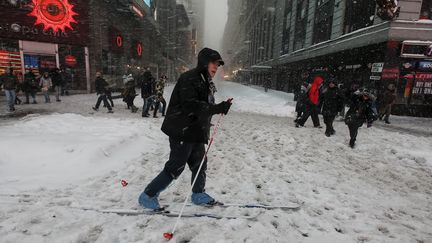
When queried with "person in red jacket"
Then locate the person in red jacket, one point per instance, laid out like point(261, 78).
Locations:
point(312, 104)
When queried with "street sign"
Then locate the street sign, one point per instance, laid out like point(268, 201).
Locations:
point(377, 67)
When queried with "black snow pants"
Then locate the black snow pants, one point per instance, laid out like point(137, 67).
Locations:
point(181, 154)
point(328, 120)
point(312, 111)
point(103, 98)
point(353, 129)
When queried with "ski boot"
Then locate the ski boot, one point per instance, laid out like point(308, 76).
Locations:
point(202, 199)
point(149, 202)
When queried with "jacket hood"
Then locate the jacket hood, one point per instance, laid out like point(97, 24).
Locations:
point(207, 55)
point(318, 80)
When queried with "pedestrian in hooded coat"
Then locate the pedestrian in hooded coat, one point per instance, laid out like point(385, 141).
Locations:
point(160, 88)
point(9, 82)
point(30, 86)
point(57, 82)
point(302, 99)
point(312, 104)
point(332, 103)
point(187, 123)
point(361, 111)
point(45, 83)
point(148, 92)
point(101, 89)
point(387, 102)
point(129, 92)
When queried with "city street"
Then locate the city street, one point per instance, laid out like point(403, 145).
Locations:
point(378, 192)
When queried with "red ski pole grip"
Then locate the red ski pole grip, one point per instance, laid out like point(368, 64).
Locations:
point(168, 236)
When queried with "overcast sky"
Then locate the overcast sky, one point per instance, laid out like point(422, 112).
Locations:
point(216, 17)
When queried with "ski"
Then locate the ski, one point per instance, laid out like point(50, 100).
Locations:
point(166, 213)
point(292, 207)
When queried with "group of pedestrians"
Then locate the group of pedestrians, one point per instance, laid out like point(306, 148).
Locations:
point(152, 93)
point(323, 96)
point(31, 85)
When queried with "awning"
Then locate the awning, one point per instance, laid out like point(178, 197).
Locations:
point(261, 67)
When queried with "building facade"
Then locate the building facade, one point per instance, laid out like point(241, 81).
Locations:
point(83, 37)
point(350, 40)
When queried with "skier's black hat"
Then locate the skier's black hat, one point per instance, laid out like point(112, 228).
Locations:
point(207, 55)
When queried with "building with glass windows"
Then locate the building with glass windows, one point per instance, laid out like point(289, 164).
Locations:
point(123, 36)
point(350, 40)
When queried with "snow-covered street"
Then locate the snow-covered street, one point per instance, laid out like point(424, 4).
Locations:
point(66, 158)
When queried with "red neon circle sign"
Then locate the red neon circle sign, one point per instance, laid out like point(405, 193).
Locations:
point(119, 41)
point(139, 49)
point(53, 14)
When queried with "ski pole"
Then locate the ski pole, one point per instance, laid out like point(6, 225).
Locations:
point(169, 236)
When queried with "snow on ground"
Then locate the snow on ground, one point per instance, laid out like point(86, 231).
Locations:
point(252, 99)
point(52, 164)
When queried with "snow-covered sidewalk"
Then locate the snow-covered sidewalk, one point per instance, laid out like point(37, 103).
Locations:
point(52, 164)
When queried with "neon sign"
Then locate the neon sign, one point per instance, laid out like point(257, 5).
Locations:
point(139, 49)
point(53, 14)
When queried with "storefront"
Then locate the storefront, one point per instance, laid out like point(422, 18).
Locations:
point(40, 37)
point(402, 63)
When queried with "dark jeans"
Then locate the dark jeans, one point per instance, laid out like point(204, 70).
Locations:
point(105, 101)
point(353, 129)
point(148, 102)
point(328, 120)
point(385, 112)
point(312, 111)
point(32, 94)
point(129, 101)
point(181, 154)
point(158, 103)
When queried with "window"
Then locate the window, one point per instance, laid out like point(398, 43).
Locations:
point(301, 24)
point(359, 14)
point(323, 21)
point(426, 10)
point(287, 27)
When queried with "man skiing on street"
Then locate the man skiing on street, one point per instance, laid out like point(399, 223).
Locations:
point(187, 123)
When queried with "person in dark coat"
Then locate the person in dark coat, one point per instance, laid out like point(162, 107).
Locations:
point(148, 92)
point(101, 86)
point(361, 111)
point(187, 124)
point(312, 104)
point(302, 99)
point(332, 103)
point(129, 92)
point(30, 86)
point(160, 89)
point(387, 102)
point(267, 84)
point(9, 82)
point(57, 81)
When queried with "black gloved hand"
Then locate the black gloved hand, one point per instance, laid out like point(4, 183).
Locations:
point(222, 108)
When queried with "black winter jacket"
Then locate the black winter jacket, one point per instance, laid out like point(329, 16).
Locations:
point(189, 112)
point(332, 102)
point(360, 111)
point(148, 88)
point(101, 85)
